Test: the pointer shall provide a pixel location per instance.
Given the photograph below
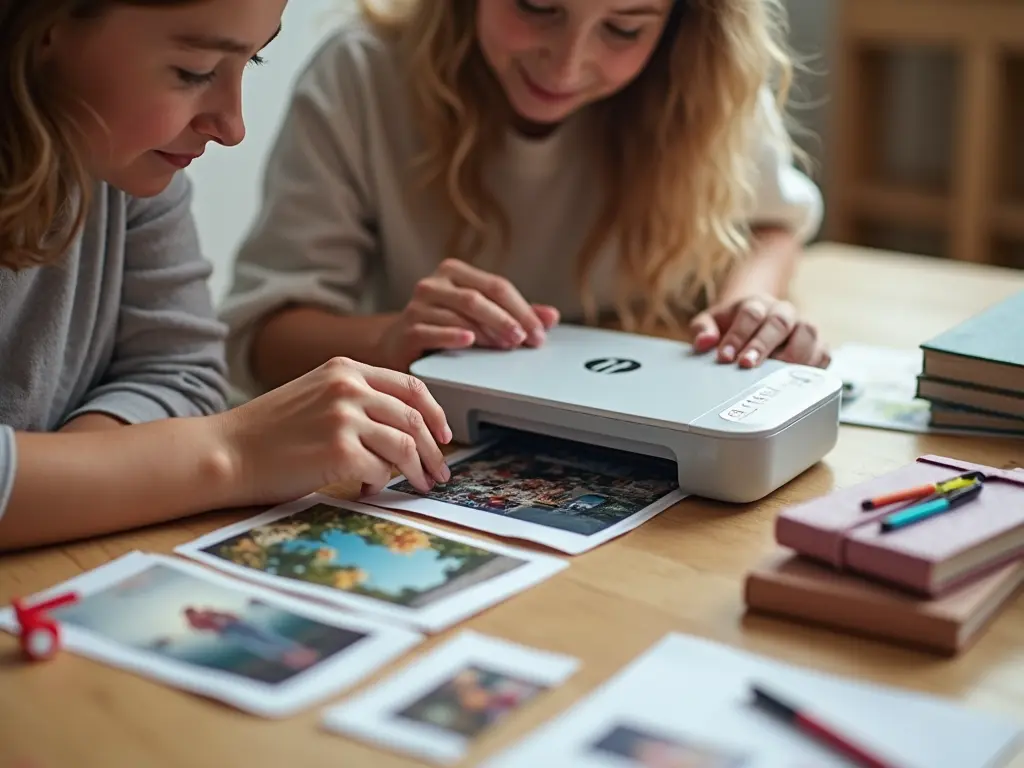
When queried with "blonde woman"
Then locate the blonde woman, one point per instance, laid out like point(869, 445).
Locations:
point(112, 389)
point(459, 172)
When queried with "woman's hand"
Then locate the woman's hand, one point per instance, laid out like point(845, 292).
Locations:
point(340, 423)
point(460, 306)
point(751, 329)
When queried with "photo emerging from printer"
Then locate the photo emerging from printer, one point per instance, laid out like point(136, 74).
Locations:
point(560, 484)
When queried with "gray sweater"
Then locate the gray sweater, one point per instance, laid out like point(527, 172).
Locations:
point(123, 326)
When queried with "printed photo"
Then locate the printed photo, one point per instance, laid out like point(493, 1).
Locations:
point(644, 749)
point(168, 612)
point(559, 493)
point(361, 558)
point(364, 555)
point(440, 703)
point(194, 629)
point(472, 701)
point(561, 484)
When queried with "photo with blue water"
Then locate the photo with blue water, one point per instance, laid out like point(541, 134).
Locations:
point(365, 555)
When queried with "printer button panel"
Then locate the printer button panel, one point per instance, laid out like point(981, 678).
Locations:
point(780, 396)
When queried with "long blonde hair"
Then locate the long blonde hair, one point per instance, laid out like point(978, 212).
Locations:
point(44, 185)
point(675, 145)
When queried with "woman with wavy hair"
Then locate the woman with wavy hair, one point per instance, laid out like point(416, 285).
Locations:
point(112, 387)
point(460, 172)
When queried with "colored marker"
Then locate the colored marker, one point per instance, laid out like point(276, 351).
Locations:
point(815, 728)
point(929, 509)
point(921, 492)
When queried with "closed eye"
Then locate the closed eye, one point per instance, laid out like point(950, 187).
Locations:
point(625, 34)
point(188, 77)
point(527, 7)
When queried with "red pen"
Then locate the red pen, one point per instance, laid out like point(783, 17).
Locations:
point(813, 727)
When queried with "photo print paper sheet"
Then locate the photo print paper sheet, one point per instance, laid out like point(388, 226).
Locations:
point(440, 703)
point(687, 701)
point(359, 557)
point(560, 493)
point(203, 632)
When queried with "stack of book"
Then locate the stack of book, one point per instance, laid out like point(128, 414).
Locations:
point(973, 374)
point(923, 556)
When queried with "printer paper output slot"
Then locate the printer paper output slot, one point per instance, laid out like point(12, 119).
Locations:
point(480, 421)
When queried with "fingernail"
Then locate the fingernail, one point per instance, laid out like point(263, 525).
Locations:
point(515, 334)
point(537, 337)
point(446, 473)
point(728, 353)
point(751, 357)
point(446, 435)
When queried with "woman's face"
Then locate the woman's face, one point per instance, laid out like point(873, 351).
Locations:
point(151, 86)
point(553, 57)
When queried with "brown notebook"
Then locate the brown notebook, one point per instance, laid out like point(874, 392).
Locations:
point(796, 588)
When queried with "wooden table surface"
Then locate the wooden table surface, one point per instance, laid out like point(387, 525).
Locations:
point(681, 572)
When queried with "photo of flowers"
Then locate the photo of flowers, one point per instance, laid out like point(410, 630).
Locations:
point(364, 555)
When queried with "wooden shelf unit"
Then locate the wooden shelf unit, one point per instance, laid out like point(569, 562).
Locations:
point(976, 208)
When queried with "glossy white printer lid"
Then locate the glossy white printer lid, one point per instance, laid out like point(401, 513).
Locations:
point(627, 376)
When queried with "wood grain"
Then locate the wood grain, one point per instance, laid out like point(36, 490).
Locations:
point(682, 572)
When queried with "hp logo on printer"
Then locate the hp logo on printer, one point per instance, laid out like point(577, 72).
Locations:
point(612, 365)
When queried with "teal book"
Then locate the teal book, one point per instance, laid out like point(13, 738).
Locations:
point(986, 350)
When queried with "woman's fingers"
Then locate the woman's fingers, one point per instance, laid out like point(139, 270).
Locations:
point(417, 451)
point(518, 322)
point(364, 462)
point(398, 449)
point(745, 321)
point(773, 332)
point(431, 315)
point(413, 393)
point(422, 338)
point(495, 324)
point(802, 347)
point(549, 316)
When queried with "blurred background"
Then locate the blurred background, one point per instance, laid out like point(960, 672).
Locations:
point(911, 111)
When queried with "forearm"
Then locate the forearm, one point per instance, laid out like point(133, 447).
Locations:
point(86, 483)
point(768, 270)
point(91, 422)
point(294, 341)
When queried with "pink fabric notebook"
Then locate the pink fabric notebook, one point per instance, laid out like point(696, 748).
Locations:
point(930, 557)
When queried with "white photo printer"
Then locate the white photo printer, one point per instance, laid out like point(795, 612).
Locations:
point(735, 434)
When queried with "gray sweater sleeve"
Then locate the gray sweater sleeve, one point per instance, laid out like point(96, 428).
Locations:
point(169, 352)
point(8, 460)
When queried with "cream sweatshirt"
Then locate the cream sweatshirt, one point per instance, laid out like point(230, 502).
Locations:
point(342, 228)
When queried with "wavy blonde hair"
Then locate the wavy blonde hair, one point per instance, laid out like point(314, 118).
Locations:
point(674, 145)
point(44, 183)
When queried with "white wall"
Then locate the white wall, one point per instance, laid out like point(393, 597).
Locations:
point(227, 181)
